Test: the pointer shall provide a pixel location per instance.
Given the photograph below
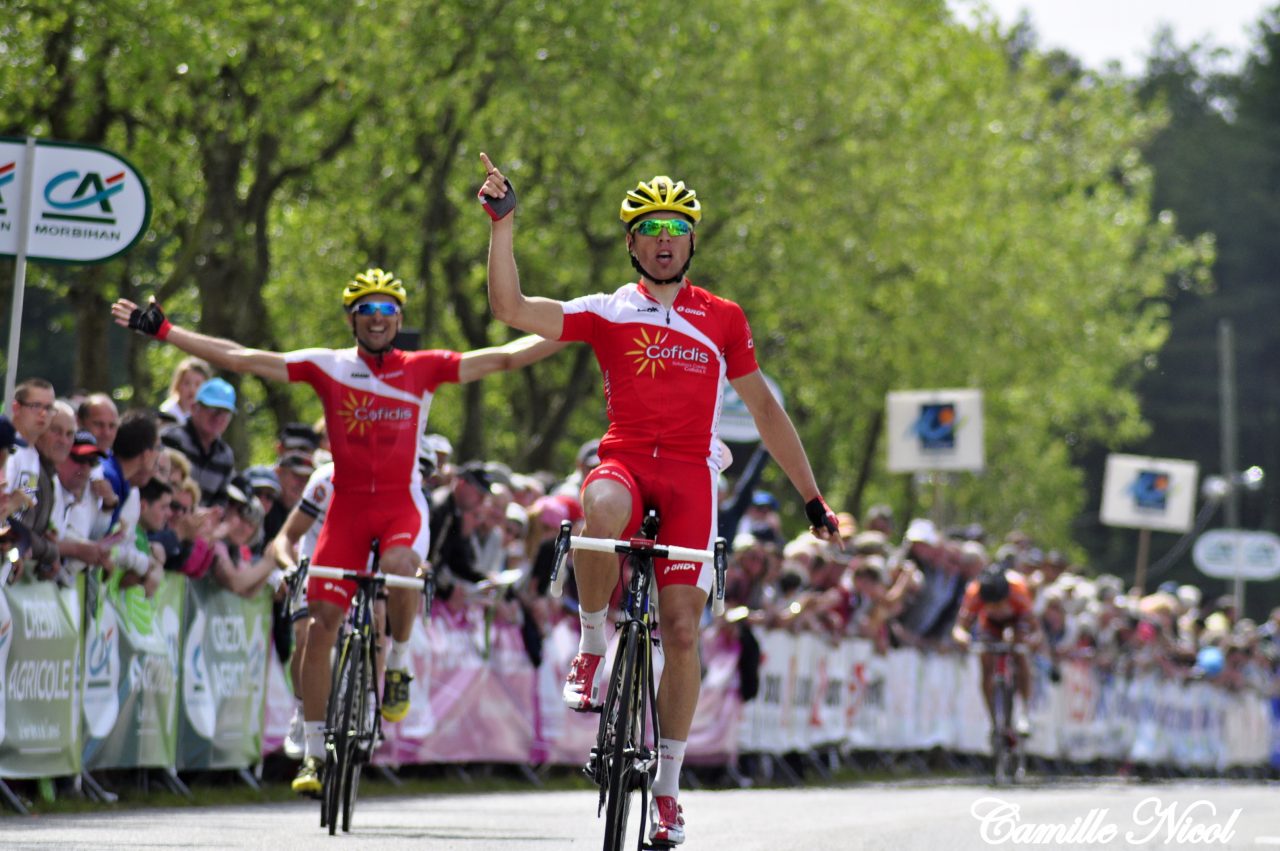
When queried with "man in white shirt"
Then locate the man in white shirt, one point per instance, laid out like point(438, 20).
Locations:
point(79, 516)
point(32, 411)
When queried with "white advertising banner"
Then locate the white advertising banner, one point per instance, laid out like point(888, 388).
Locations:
point(937, 430)
point(1149, 493)
point(87, 205)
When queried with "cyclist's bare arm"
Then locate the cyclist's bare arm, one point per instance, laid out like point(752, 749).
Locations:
point(285, 544)
point(777, 432)
point(541, 316)
point(222, 353)
point(514, 355)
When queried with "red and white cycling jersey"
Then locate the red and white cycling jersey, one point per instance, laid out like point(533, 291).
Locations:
point(663, 369)
point(374, 410)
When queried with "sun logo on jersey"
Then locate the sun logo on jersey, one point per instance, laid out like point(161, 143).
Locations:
point(646, 355)
point(355, 413)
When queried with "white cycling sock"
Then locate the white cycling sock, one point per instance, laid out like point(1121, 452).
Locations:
point(315, 738)
point(398, 656)
point(593, 640)
point(670, 758)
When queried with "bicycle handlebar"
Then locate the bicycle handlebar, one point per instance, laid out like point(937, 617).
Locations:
point(566, 541)
point(391, 580)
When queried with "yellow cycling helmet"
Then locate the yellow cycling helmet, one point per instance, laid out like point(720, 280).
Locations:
point(658, 195)
point(373, 282)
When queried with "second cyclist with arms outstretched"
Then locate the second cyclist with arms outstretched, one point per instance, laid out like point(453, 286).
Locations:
point(375, 399)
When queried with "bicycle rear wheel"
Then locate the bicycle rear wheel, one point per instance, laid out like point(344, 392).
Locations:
point(360, 725)
point(621, 723)
point(336, 737)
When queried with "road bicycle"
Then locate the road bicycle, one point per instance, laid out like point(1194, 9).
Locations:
point(625, 756)
point(353, 718)
point(1008, 754)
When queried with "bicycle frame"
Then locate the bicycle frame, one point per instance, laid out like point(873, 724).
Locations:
point(625, 754)
point(1008, 756)
point(353, 720)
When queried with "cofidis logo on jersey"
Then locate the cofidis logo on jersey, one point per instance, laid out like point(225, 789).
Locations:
point(1150, 490)
point(652, 353)
point(362, 411)
point(936, 426)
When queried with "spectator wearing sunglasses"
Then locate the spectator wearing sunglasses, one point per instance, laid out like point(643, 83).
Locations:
point(665, 347)
point(78, 514)
point(32, 411)
point(375, 399)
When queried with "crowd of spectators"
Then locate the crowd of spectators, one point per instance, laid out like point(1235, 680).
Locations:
point(161, 490)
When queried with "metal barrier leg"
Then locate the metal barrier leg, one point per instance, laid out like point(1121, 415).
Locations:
point(170, 779)
point(94, 791)
point(249, 780)
point(12, 800)
point(389, 775)
point(530, 775)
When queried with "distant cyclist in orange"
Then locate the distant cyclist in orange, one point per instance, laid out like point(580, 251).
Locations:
point(1000, 602)
point(665, 346)
point(375, 400)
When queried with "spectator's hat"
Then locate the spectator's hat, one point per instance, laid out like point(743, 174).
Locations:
point(871, 565)
point(764, 499)
point(299, 436)
point(439, 443)
point(516, 514)
point(248, 506)
point(846, 524)
point(921, 530)
point(298, 462)
point(571, 505)
point(589, 454)
point(84, 445)
point(263, 478)
point(744, 541)
point(549, 511)
point(876, 512)
point(499, 473)
point(1189, 596)
point(1210, 661)
point(475, 473)
point(869, 542)
point(217, 393)
point(8, 434)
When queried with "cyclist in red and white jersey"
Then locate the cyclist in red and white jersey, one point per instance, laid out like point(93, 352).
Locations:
point(664, 347)
point(375, 399)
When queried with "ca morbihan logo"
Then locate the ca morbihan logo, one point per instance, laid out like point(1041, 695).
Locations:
point(83, 197)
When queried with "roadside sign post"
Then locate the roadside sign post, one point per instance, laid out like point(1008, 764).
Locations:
point(77, 204)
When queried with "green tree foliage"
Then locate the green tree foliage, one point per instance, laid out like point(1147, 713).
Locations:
point(898, 201)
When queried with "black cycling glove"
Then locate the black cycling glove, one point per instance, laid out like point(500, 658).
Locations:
point(150, 321)
point(497, 208)
point(821, 516)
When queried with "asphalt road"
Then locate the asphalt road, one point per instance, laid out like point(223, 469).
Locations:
point(898, 817)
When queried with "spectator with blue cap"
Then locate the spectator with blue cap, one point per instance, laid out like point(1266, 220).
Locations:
point(200, 440)
point(762, 518)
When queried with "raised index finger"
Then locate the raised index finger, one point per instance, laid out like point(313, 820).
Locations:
point(484, 158)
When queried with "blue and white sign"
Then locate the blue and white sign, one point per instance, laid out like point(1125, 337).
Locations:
point(1149, 493)
point(935, 430)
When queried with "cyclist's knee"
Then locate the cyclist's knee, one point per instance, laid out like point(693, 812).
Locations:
point(402, 561)
point(325, 617)
point(607, 507)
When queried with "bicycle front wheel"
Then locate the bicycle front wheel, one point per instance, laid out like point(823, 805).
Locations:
point(622, 722)
point(336, 736)
point(360, 740)
point(1002, 701)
